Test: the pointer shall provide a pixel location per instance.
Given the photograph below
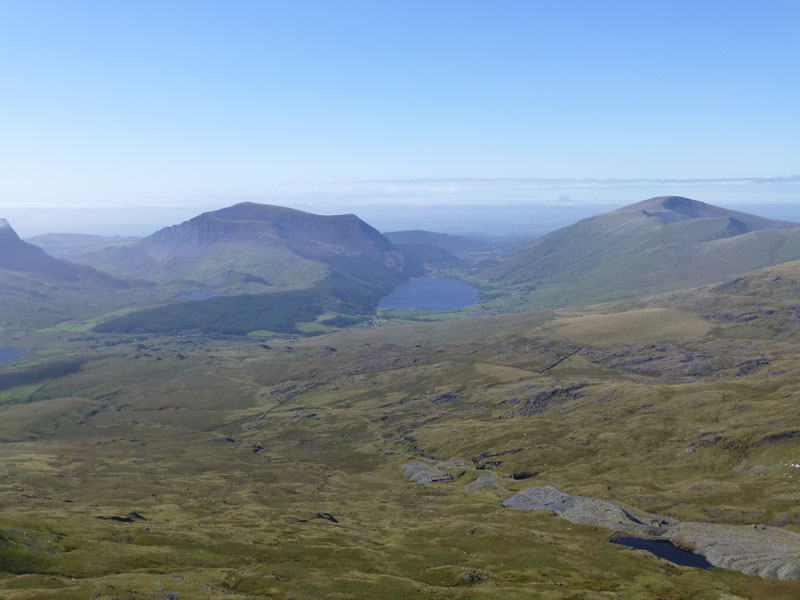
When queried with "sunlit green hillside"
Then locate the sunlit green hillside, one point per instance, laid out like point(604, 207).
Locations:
point(650, 247)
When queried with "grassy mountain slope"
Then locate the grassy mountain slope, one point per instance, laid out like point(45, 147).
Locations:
point(38, 290)
point(244, 471)
point(649, 247)
point(33, 300)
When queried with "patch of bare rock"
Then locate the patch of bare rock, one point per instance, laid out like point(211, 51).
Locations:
point(769, 552)
point(420, 472)
point(485, 480)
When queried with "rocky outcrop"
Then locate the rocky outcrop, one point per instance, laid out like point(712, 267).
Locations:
point(420, 472)
point(769, 552)
point(587, 511)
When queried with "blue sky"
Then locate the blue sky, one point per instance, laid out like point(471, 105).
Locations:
point(135, 102)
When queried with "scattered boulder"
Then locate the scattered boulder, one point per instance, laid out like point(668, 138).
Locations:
point(474, 576)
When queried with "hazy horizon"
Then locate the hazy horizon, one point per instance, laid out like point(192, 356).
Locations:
point(495, 207)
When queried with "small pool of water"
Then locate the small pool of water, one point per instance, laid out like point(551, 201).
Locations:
point(200, 295)
point(11, 354)
point(430, 293)
point(665, 549)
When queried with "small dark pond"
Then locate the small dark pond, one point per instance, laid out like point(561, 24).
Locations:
point(665, 549)
point(430, 293)
point(11, 354)
point(200, 295)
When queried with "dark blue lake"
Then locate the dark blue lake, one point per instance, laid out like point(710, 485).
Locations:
point(430, 293)
point(11, 354)
point(665, 549)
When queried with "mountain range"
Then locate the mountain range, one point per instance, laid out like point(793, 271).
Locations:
point(337, 267)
